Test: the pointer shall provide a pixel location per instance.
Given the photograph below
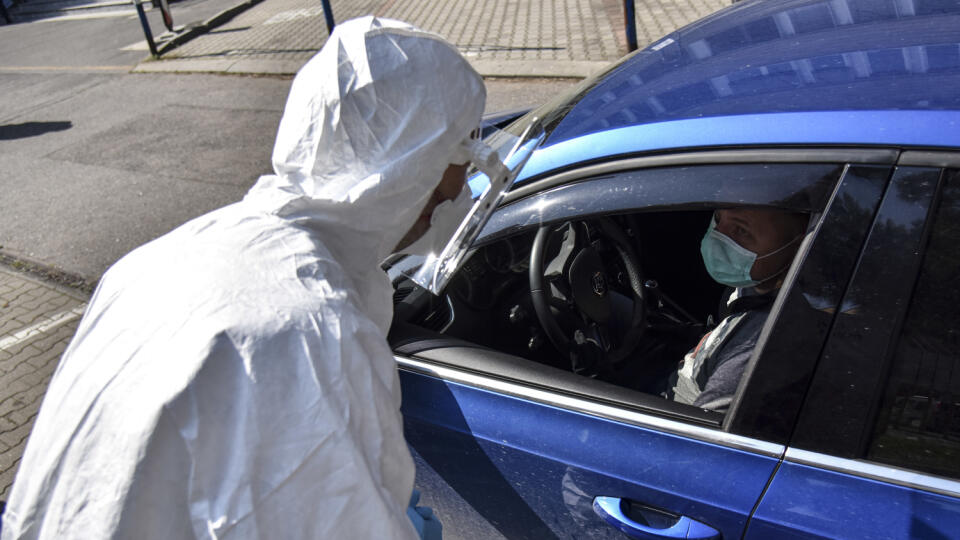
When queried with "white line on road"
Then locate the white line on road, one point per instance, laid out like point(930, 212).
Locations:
point(138, 46)
point(61, 69)
point(43, 326)
point(294, 14)
point(80, 16)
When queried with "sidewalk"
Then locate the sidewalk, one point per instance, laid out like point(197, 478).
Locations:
point(501, 38)
point(37, 321)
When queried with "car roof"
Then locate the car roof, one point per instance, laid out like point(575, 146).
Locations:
point(772, 72)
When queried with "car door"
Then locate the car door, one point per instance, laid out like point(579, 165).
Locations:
point(509, 448)
point(876, 452)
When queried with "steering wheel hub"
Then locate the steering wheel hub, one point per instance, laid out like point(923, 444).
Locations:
point(588, 284)
point(599, 284)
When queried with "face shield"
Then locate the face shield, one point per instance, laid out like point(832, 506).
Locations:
point(495, 163)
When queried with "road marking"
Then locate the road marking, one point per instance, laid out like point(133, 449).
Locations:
point(21, 69)
point(294, 14)
point(43, 326)
point(80, 16)
point(138, 46)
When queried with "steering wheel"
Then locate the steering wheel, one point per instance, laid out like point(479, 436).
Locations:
point(574, 286)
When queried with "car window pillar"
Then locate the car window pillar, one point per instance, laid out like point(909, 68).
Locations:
point(843, 397)
point(775, 383)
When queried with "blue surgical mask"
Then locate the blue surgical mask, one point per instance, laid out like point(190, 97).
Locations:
point(728, 262)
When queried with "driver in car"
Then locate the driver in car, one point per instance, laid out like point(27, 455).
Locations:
point(749, 249)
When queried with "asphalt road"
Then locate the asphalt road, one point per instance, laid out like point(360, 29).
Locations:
point(97, 161)
point(91, 39)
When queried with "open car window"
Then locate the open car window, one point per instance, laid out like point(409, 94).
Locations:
point(633, 236)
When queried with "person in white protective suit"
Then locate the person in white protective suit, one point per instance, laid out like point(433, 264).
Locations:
point(231, 379)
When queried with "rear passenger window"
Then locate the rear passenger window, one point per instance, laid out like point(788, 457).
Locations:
point(919, 422)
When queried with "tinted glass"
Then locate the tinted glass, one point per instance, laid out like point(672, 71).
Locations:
point(803, 187)
point(919, 422)
point(853, 363)
point(780, 376)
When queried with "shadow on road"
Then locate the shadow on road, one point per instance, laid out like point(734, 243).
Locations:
point(31, 129)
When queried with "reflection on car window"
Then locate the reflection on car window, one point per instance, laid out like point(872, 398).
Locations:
point(802, 187)
point(919, 423)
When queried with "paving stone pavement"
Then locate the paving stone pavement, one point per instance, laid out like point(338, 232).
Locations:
point(508, 38)
point(37, 321)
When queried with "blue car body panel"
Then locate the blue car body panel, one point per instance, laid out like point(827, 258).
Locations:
point(846, 128)
point(532, 471)
point(772, 73)
point(807, 502)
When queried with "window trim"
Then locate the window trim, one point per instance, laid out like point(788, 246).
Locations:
point(879, 156)
point(508, 220)
point(918, 158)
point(589, 407)
point(875, 471)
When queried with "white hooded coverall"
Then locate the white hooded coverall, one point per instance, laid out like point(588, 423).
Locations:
point(231, 379)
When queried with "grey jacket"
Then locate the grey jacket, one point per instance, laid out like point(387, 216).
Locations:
point(709, 374)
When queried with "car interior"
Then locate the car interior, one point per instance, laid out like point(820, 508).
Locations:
point(657, 299)
point(595, 288)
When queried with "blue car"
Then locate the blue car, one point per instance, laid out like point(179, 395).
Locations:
point(534, 387)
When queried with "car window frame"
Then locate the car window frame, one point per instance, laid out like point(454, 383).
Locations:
point(718, 431)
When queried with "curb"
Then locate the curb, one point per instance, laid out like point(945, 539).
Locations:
point(221, 66)
point(538, 69)
point(514, 69)
point(67, 282)
point(76, 294)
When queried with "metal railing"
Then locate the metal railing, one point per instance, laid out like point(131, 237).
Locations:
point(146, 28)
point(629, 16)
point(168, 22)
point(630, 24)
point(327, 14)
point(4, 13)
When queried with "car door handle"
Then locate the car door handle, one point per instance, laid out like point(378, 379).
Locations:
point(663, 525)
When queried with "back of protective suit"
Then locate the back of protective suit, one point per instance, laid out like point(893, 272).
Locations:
point(231, 379)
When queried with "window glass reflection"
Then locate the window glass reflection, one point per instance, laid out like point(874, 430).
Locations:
point(919, 423)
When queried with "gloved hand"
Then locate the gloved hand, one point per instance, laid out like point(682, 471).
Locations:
point(427, 524)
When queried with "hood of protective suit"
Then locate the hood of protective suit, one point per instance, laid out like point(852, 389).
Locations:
point(360, 153)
